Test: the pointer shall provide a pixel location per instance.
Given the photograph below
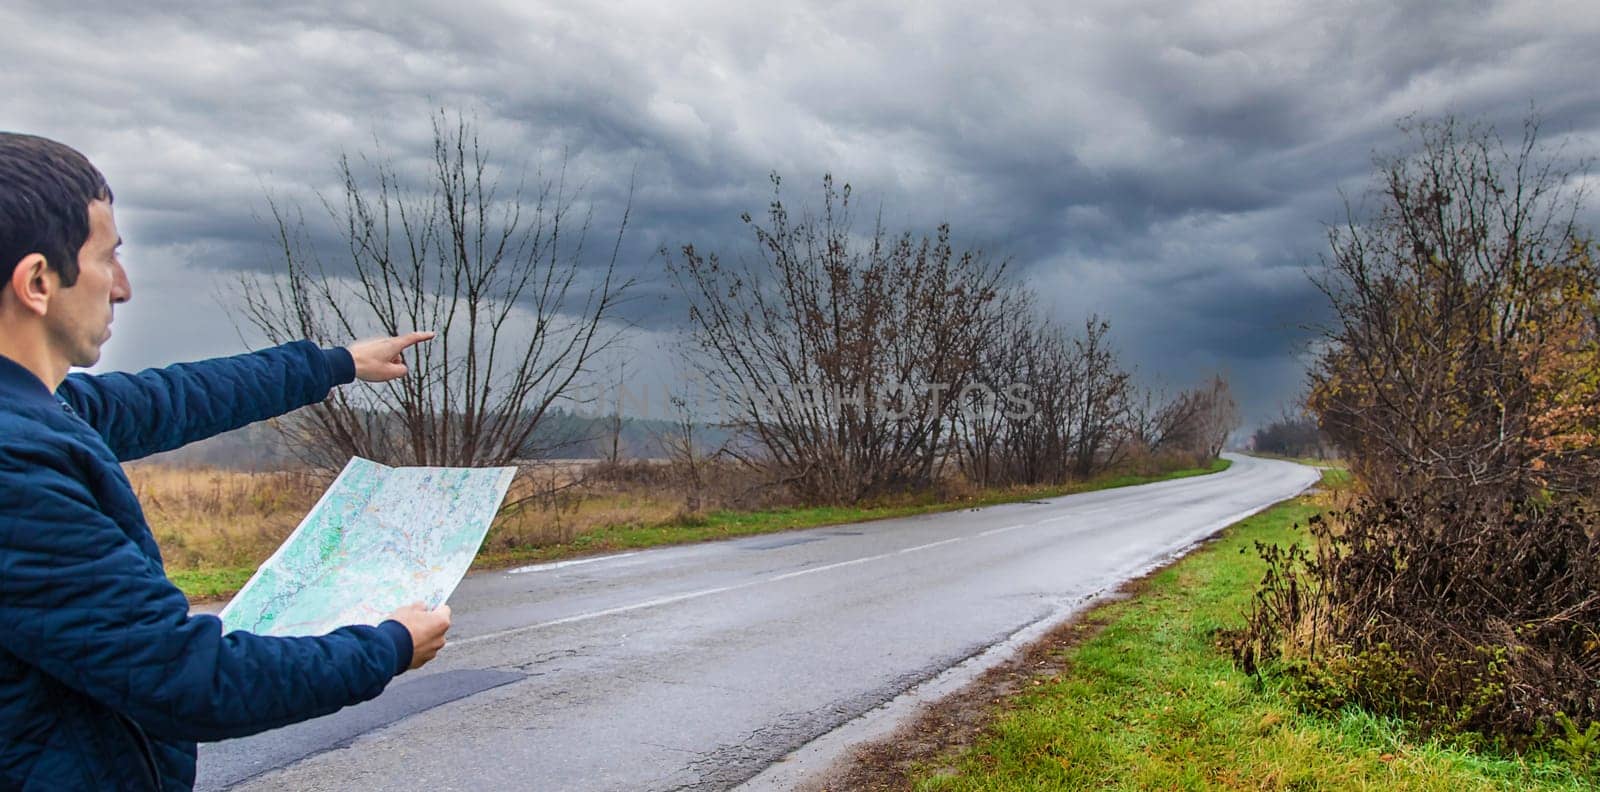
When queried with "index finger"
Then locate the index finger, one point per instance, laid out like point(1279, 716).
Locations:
point(400, 343)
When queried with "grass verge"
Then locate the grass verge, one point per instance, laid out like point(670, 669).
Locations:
point(210, 583)
point(1151, 702)
point(218, 582)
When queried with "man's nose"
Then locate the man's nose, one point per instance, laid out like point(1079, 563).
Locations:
point(121, 289)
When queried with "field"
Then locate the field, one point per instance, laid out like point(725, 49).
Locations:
point(215, 526)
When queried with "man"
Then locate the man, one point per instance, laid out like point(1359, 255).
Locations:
point(106, 681)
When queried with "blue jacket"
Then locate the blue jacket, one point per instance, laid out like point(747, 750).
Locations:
point(106, 681)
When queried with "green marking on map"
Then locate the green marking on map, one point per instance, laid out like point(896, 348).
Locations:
point(380, 538)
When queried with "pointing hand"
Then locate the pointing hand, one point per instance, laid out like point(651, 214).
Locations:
point(379, 360)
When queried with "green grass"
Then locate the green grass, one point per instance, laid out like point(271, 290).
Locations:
point(1152, 702)
point(1316, 462)
point(216, 582)
point(210, 583)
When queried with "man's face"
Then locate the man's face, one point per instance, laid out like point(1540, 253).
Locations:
point(79, 317)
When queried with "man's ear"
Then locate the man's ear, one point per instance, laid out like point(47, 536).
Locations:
point(32, 284)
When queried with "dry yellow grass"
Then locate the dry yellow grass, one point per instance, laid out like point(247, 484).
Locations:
point(207, 518)
point(556, 502)
point(203, 517)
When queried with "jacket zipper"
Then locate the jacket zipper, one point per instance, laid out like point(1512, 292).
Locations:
point(145, 753)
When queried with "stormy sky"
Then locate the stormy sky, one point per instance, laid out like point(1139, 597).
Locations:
point(1169, 165)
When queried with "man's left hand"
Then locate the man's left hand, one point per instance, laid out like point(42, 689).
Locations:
point(379, 359)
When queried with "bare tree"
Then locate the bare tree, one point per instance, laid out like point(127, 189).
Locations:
point(1066, 405)
point(1072, 419)
point(1100, 393)
point(497, 273)
point(688, 461)
point(1036, 442)
point(1195, 423)
point(1006, 432)
point(1152, 418)
point(842, 354)
point(614, 421)
point(1220, 416)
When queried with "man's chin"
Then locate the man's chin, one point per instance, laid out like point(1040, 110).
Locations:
point(87, 357)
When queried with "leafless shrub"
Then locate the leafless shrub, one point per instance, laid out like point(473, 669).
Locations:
point(1193, 425)
point(1000, 442)
point(843, 356)
point(690, 464)
point(1072, 419)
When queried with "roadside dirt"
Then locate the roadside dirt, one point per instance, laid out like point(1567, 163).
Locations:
point(957, 721)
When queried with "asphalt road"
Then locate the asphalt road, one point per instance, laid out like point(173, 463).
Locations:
point(697, 667)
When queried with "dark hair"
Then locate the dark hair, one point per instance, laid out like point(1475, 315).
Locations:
point(45, 192)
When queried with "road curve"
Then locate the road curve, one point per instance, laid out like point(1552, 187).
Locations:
point(696, 667)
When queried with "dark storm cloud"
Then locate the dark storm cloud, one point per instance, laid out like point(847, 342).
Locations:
point(1167, 165)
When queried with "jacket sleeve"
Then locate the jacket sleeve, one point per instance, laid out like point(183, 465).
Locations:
point(162, 409)
point(79, 601)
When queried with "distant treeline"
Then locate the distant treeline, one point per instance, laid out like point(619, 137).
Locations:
point(1292, 436)
point(562, 434)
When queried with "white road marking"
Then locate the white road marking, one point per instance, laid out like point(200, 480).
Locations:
point(718, 590)
point(563, 564)
point(993, 531)
point(600, 613)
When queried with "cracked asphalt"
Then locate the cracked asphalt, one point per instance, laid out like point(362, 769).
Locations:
point(696, 667)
